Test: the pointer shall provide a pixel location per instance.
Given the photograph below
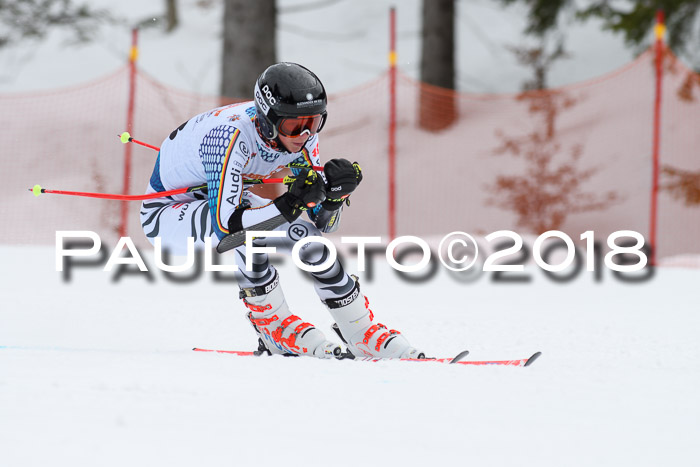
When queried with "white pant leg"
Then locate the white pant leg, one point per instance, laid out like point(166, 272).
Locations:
point(176, 219)
point(332, 282)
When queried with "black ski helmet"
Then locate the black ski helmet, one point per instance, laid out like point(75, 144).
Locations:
point(287, 90)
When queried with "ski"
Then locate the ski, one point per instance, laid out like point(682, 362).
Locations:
point(456, 360)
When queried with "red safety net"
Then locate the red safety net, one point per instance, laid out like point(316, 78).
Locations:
point(575, 158)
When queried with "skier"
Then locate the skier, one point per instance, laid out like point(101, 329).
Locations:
point(253, 140)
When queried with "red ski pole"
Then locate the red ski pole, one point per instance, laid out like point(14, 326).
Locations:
point(127, 138)
point(38, 190)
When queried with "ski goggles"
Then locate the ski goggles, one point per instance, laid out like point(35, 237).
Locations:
point(298, 126)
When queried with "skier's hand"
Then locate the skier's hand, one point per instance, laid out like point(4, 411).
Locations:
point(306, 191)
point(342, 179)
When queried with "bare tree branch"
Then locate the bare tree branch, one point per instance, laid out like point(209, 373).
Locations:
point(32, 19)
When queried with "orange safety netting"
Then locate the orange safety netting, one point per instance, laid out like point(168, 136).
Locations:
point(575, 158)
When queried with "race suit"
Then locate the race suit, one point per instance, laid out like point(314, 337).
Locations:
point(221, 149)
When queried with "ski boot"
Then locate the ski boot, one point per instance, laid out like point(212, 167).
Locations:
point(280, 332)
point(356, 327)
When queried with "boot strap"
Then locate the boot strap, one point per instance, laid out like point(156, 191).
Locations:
point(345, 300)
point(256, 308)
point(261, 289)
point(384, 337)
point(263, 321)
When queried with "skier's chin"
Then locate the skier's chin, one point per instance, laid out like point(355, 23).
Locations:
point(293, 144)
point(294, 147)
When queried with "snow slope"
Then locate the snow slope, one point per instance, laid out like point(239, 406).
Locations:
point(100, 373)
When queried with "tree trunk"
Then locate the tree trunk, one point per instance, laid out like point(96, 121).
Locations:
point(438, 108)
point(249, 48)
point(171, 15)
point(249, 45)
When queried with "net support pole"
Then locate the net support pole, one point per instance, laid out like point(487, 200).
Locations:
point(133, 55)
point(392, 123)
point(659, 31)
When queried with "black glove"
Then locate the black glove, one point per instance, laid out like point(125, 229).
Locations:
point(305, 192)
point(342, 178)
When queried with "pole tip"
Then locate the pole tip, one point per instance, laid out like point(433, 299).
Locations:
point(36, 190)
point(125, 137)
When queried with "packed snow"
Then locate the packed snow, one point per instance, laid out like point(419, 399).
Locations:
point(94, 372)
